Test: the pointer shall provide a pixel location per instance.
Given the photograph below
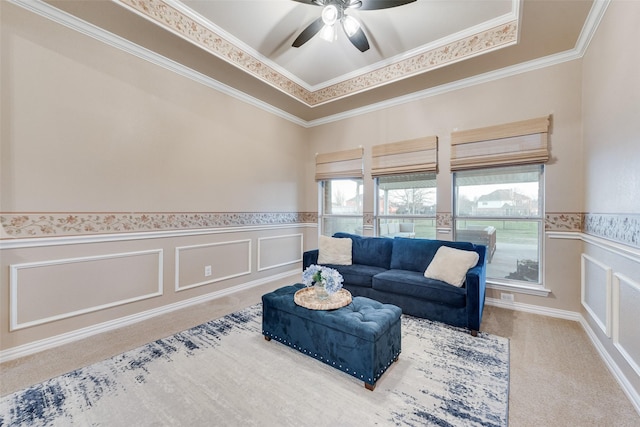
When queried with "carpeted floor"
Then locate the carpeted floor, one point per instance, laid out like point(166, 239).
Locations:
point(224, 373)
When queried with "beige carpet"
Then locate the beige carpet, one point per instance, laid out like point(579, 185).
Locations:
point(557, 376)
point(223, 372)
point(556, 379)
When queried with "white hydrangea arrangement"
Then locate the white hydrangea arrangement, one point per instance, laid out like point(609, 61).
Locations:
point(330, 278)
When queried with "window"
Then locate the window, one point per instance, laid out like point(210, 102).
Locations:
point(502, 208)
point(406, 205)
point(341, 206)
point(405, 187)
point(339, 175)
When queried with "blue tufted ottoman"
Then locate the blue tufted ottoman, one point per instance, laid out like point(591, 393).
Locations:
point(361, 339)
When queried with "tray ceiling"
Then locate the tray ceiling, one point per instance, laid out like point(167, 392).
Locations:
point(245, 45)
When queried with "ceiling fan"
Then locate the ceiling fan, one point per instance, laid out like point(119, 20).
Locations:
point(334, 11)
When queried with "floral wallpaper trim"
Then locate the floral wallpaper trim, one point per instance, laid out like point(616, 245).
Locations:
point(73, 224)
point(501, 36)
point(444, 220)
point(168, 16)
point(617, 227)
point(563, 221)
point(368, 218)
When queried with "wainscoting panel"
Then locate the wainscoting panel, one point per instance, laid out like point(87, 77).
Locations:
point(225, 260)
point(278, 251)
point(626, 328)
point(596, 292)
point(47, 291)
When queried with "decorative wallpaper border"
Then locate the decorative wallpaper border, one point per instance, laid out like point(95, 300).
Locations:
point(444, 220)
point(368, 218)
point(75, 224)
point(167, 15)
point(563, 221)
point(553, 221)
point(617, 227)
point(623, 228)
point(495, 38)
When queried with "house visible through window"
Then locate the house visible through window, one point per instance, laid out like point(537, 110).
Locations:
point(502, 208)
point(406, 205)
point(341, 206)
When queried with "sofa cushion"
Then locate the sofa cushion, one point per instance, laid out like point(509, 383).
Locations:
point(357, 274)
point(416, 254)
point(334, 251)
point(451, 265)
point(413, 284)
point(373, 251)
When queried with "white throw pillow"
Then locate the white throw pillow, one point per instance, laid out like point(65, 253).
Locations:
point(333, 250)
point(451, 265)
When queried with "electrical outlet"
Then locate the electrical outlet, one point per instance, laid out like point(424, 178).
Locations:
point(207, 270)
point(506, 297)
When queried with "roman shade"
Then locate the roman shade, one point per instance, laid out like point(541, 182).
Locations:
point(411, 156)
point(340, 164)
point(516, 143)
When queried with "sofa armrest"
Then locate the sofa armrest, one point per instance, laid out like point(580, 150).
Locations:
point(476, 287)
point(309, 257)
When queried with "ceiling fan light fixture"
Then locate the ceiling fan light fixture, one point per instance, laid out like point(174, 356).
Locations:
point(350, 25)
point(329, 33)
point(330, 14)
point(334, 11)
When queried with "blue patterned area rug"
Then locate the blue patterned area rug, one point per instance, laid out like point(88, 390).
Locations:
point(224, 373)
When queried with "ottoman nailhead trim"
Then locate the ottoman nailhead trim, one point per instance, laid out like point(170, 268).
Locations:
point(362, 315)
point(345, 369)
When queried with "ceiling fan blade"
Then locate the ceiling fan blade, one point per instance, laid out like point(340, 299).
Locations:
point(382, 4)
point(359, 40)
point(308, 32)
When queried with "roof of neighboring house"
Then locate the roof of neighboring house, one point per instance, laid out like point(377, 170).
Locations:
point(504, 194)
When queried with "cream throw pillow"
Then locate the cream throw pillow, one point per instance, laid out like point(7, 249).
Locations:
point(333, 250)
point(451, 265)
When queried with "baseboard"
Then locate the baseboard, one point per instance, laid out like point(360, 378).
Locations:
point(626, 386)
point(535, 309)
point(628, 389)
point(58, 340)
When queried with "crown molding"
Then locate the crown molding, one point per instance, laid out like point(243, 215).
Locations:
point(474, 31)
point(591, 25)
point(525, 67)
point(176, 18)
point(76, 24)
point(49, 12)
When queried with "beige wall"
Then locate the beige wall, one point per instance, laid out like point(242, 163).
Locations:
point(554, 91)
point(611, 116)
point(97, 143)
point(611, 123)
point(88, 128)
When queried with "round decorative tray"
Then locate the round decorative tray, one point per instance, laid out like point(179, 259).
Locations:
point(307, 298)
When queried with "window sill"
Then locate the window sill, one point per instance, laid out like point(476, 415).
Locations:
point(521, 289)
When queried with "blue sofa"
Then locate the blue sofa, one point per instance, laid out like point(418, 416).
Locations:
point(392, 271)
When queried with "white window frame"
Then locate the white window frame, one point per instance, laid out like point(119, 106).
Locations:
point(378, 216)
point(504, 283)
point(322, 215)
